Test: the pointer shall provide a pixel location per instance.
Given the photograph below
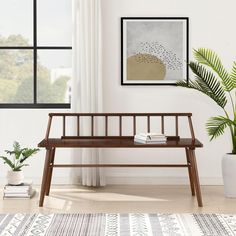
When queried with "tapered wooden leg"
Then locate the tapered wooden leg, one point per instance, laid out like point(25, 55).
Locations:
point(195, 176)
point(49, 177)
point(45, 176)
point(190, 172)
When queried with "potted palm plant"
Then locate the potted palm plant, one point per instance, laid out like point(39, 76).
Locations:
point(212, 79)
point(16, 161)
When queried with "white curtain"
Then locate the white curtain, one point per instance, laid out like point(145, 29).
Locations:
point(87, 78)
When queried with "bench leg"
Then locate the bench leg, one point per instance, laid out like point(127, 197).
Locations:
point(45, 177)
point(49, 178)
point(190, 172)
point(195, 176)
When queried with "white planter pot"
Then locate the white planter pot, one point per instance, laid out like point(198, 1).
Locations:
point(15, 177)
point(229, 174)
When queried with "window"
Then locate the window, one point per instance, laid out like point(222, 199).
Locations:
point(35, 53)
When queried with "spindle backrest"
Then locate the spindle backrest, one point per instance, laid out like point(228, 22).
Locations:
point(121, 117)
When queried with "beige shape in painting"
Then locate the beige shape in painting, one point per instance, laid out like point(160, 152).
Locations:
point(145, 67)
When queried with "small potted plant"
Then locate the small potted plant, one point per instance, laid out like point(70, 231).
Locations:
point(212, 79)
point(16, 161)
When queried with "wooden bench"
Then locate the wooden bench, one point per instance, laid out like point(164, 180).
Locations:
point(118, 141)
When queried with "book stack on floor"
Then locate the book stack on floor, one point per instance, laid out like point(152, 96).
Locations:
point(21, 191)
point(150, 138)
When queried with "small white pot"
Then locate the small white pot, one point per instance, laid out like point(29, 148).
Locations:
point(15, 177)
point(229, 174)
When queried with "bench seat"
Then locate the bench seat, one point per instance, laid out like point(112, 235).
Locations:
point(116, 142)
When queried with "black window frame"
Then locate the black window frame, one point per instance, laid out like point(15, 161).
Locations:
point(35, 48)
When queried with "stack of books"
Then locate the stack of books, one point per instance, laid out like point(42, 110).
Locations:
point(21, 191)
point(150, 138)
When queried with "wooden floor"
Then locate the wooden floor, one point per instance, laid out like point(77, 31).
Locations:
point(125, 198)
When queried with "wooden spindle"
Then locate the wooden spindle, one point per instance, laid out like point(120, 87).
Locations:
point(176, 126)
point(106, 125)
point(64, 126)
point(134, 124)
point(48, 127)
point(162, 125)
point(78, 125)
point(191, 127)
point(92, 125)
point(148, 124)
point(120, 125)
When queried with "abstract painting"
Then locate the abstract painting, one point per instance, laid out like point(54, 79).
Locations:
point(154, 51)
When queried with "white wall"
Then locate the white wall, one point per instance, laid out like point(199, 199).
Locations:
point(29, 127)
point(211, 25)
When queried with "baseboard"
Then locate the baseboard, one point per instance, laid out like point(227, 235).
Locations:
point(55, 181)
point(160, 180)
point(131, 180)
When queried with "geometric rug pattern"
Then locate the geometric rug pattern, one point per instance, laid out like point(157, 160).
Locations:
point(132, 224)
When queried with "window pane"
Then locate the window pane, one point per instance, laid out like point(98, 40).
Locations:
point(16, 76)
point(16, 23)
point(54, 76)
point(54, 22)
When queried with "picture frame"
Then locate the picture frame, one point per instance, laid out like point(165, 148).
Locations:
point(154, 50)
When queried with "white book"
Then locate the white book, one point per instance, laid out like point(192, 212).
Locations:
point(151, 134)
point(19, 196)
point(14, 192)
point(21, 186)
point(148, 142)
point(17, 190)
point(150, 138)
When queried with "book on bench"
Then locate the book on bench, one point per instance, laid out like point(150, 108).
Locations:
point(150, 138)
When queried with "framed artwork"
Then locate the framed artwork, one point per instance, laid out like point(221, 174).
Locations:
point(154, 50)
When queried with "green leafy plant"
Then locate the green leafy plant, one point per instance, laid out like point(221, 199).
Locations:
point(212, 79)
point(18, 156)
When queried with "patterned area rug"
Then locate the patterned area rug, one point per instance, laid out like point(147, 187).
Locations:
point(118, 224)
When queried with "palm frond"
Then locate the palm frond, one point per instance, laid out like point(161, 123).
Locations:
point(210, 58)
point(205, 82)
point(9, 152)
point(233, 74)
point(182, 83)
point(191, 84)
point(216, 126)
point(18, 168)
point(17, 150)
point(16, 146)
point(8, 162)
point(27, 152)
